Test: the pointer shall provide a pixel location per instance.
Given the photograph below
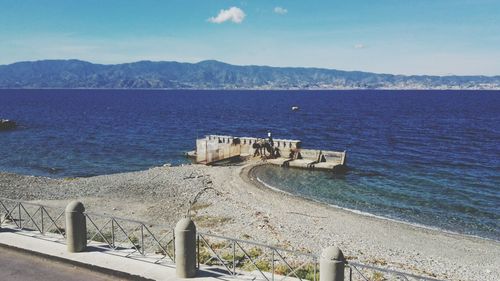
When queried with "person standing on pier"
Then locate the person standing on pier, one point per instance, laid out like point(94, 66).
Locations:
point(271, 144)
point(270, 138)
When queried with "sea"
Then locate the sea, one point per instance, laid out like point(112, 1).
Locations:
point(430, 158)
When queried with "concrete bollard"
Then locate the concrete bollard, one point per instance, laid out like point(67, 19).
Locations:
point(76, 227)
point(185, 248)
point(331, 265)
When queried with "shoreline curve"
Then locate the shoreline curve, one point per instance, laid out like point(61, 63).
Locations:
point(248, 174)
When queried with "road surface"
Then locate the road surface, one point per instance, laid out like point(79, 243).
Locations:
point(19, 266)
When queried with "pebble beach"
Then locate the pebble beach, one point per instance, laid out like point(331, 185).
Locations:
point(240, 206)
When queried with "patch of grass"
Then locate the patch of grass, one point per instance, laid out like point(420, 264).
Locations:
point(205, 257)
point(379, 261)
point(261, 265)
point(107, 237)
point(134, 240)
point(311, 276)
point(100, 237)
point(57, 230)
point(254, 252)
point(281, 269)
point(165, 249)
point(210, 221)
point(219, 245)
point(378, 276)
point(305, 272)
point(198, 206)
point(238, 258)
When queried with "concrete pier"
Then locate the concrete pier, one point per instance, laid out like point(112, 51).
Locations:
point(287, 153)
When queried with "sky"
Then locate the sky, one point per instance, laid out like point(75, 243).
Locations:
point(435, 37)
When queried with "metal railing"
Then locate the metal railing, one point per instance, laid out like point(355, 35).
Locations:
point(229, 256)
point(240, 257)
point(364, 272)
point(33, 217)
point(119, 234)
point(154, 241)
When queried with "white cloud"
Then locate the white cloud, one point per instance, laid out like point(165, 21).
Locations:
point(280, 10)
point(233, 14)
point(359, 46)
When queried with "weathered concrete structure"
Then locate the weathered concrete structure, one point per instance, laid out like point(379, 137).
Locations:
point(76, 227)
point(215, 148)
point(185, 248)
point(287, 153)
point(331, 264)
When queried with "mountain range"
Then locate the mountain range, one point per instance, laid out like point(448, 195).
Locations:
point(213, 74)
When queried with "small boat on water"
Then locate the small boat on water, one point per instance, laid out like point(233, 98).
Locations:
point(6, 124)
point(295, 108)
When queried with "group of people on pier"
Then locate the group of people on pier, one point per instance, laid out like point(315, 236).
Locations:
point(266, 145)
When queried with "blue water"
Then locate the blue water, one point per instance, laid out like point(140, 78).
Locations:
point(427, 157)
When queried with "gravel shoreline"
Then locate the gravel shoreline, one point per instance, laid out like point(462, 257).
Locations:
point(246, 209)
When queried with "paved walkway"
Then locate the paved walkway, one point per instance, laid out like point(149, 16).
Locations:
point(16, 266)
point(103, 264)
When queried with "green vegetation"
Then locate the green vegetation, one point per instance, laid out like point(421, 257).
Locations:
point(261, 260)
point(378, 276)
point(57, 230)
point(260, 264)
point(100, 237)
point(210, 221)
point(255, 252)
point(166, 249)
point(132, 238)
point(199, 206)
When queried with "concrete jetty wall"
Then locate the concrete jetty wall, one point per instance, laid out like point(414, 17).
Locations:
point(284, 145)
point(214, 148)
point(246, 143)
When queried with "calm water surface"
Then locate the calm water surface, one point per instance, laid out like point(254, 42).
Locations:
point(426, 157)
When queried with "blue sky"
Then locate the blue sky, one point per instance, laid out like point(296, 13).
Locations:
point(438, 37)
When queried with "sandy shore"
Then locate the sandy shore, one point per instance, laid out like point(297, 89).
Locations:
point(244, 208)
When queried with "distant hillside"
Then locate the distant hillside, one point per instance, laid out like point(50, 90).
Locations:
point(217, 75)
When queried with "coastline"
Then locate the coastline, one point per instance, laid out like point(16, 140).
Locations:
point(251, 178)
point(249, 209)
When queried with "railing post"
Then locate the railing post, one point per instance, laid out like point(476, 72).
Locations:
point(41, 213)
point(331, 264)
point(272, 266)
point(20, 218)
point(198, 250)
point(142, 239)
point(234, 258)
point(113, 234)
point(185, 248)
point(76, 227)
